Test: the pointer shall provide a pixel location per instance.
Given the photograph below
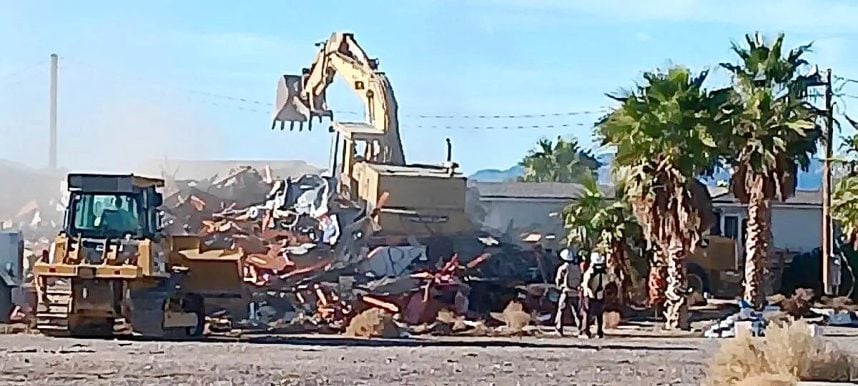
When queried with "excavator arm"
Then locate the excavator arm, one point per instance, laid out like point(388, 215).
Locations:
point(300, 98)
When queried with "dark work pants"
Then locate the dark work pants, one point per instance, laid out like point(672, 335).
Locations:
point(592, 308)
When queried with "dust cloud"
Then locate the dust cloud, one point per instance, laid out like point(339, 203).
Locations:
point(121, 135)
point(113, 133)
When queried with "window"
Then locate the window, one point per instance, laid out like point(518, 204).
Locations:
point(716, 227)
point(744, 230)
point(105, 215)
point(731, 227)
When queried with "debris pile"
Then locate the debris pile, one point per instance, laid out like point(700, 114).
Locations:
point(319, 261)
point(313, 260)
point(839, 311)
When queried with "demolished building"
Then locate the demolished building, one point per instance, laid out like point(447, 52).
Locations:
point(309, 254)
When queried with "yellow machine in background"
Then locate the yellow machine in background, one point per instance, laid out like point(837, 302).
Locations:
point(112, 263)
point(368, 157)
point(717, 267)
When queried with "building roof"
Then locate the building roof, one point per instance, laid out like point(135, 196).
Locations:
point(812, 198)
point(568, 191)
point(534, 190)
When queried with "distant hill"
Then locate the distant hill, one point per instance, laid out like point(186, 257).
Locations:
point(495, 175)
point(810, 180)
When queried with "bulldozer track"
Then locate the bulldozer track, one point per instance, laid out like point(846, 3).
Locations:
point(54, 308)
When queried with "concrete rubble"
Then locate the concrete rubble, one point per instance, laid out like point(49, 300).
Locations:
point(313, 262)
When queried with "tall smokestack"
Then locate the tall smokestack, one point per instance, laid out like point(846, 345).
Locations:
point(52, 157)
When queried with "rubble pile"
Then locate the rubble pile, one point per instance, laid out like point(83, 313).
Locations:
point(316, 261)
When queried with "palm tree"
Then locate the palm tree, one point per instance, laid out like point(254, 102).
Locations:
point(595, 221)
point(774, 134)
point(560, 161)
point(665, 134)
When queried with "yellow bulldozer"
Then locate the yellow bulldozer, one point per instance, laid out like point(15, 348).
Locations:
point(111, 268)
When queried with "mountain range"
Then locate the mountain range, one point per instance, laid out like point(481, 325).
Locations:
point(809, 180)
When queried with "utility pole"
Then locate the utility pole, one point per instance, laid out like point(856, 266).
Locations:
point(52, 156)
point(826, 186)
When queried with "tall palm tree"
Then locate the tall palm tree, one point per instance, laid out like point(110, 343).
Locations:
point(665, 134)
point(774, 134)
point(562, 160)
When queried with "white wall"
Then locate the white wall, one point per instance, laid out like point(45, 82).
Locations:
point(797, 229)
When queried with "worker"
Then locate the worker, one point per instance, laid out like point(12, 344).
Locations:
point(592, 301)
point(568, 281)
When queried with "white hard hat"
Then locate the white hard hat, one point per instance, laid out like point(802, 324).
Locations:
point(597, 258)
point(566, 255)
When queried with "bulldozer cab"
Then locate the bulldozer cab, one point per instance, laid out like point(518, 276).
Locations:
point(105, 206)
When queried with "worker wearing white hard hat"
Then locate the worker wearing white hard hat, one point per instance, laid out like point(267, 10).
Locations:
point(592, 301)
point(568, 281)
point(597, 258)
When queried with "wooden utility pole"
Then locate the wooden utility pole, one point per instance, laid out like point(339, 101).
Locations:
point(52, 155)
point(826, 186)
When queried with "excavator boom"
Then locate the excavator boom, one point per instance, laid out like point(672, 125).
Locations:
point(300, 98)
point(368, 163)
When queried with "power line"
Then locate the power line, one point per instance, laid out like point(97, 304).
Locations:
point(258, 104)
point(511, 116)
point(505, 127)
point(844, 79)
point(22, 70)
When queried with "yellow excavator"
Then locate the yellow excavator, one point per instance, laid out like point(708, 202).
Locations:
point(112, 269)
point(368, 158)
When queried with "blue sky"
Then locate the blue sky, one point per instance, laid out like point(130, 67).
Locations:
point(157, 73)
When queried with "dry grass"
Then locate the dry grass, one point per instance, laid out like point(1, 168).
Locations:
point(373, 323)
point(448, 323)
point(514, 318)
point(786, 355)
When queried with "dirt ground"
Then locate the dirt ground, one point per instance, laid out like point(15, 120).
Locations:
point(325, 360)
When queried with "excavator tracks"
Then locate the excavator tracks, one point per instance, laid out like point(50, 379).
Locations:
point(54, 308)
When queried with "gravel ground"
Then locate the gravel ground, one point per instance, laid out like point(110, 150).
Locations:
point(311, 360)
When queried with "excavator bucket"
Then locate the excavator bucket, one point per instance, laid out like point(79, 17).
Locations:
point(290, 105)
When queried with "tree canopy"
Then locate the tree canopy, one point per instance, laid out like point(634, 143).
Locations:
point(563, 160)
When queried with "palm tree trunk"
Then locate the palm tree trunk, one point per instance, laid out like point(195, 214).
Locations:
point(759, 234)
point(618, 264)
point(657, 281)
point(676, 307)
